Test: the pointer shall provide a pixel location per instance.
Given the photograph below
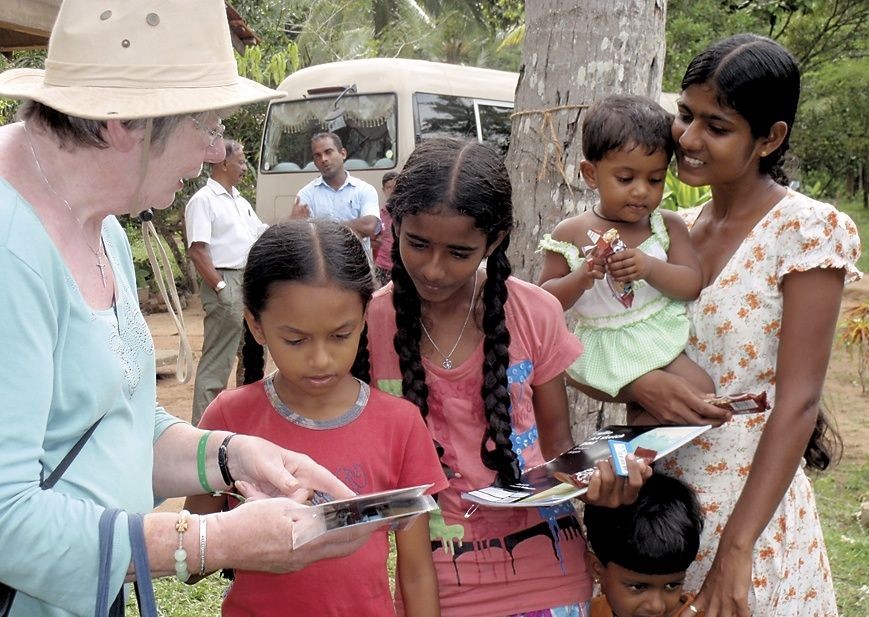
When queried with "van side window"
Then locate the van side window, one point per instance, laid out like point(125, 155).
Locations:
point(440, 115)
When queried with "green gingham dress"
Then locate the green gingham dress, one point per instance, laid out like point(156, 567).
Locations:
point(621, 344)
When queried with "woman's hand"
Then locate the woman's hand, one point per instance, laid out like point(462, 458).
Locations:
point(258, 535)
point(269, 470)
point(671, 400)
point(725, 591)
point(609, 490)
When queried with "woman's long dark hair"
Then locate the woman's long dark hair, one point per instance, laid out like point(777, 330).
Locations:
point(760, 80)
point(315, 252)
point(469, 179)
point(757, 78)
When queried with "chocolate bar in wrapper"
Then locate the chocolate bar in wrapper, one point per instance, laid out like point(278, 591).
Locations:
point(606, 244)
point(742, 403)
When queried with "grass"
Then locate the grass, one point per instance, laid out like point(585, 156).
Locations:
point(839, 494)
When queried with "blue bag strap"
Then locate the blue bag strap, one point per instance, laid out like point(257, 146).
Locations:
point(107, 538)
point(144, 586)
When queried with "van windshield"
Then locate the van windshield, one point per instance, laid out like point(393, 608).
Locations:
point(365, 123)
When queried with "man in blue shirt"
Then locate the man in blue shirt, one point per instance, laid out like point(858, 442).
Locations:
point(336, 194)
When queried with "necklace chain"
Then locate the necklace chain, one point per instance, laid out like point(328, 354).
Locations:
point(447, 362)
point(97, 253)
point(602, 217)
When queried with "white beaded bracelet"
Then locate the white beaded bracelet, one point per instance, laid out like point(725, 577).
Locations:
point(202, 539)
point(181, 572)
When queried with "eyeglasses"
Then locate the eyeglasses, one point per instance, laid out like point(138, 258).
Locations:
point(214, 135)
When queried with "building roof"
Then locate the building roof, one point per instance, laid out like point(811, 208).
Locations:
point(26, 24)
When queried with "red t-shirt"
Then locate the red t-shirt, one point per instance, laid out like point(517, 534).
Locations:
point(383, 445)
point(498, 561)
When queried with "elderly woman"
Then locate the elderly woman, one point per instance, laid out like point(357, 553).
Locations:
point(126, 110)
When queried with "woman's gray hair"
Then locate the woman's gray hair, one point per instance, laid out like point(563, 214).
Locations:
point(73, 131)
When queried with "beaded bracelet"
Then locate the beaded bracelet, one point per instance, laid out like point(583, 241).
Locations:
point(202, 539)
point(181, 572)
point(223, 460)
point(200, 463)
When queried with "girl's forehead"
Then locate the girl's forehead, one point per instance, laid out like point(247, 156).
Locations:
point(442, 225)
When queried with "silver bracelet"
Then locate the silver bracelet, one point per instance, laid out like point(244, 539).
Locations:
point(202, 538)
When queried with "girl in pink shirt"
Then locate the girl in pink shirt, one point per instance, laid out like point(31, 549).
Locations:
point(482, 355)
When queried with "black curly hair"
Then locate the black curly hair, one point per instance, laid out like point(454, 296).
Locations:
point(470, 179)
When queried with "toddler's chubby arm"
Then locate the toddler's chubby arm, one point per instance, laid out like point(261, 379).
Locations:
point(679, 278)
point(558, 277)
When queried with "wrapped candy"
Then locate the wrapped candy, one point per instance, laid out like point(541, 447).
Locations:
point(604, 245)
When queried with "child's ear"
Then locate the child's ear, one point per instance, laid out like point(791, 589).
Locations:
point(594, 566)
point(497, 242)
point(770, 143)
point(254, 327)
point(589, 173)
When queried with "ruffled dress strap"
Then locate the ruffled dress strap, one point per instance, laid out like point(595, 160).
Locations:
point(659, 229)
point(566, 249)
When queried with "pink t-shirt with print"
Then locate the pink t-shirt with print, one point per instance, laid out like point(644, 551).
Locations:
point(497, 561)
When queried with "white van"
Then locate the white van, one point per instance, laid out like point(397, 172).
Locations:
point(381, 108)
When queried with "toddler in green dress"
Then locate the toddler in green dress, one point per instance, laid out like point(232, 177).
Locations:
point(627, 146)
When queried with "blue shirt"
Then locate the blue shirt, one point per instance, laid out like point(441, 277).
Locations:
point(353, 200)
point(62, 365)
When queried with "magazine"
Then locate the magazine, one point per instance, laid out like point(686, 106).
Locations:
point(399, 508)
point(567, 475)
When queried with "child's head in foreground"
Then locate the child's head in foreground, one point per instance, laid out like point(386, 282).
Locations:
point(627, 145)
point(640, 552)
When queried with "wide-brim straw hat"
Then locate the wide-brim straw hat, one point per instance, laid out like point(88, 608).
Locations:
point(128, 59)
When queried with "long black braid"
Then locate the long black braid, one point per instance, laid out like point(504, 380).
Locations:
point(470, 179)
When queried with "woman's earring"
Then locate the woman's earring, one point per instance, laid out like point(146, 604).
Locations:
point(763, 153)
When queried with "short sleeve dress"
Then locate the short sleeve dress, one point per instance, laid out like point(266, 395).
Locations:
point(622, 344)
point(735, 336)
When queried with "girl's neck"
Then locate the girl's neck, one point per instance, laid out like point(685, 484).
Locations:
point(320, 407)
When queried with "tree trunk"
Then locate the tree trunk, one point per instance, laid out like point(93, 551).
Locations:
point(575, 52)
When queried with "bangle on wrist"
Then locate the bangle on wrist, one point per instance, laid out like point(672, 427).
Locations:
point(200, 463)
point(181, 571)
point(203, 520)
point(223, 460)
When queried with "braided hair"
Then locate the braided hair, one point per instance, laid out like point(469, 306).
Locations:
point(757, 78)
point(315, 251)
point(469, 179)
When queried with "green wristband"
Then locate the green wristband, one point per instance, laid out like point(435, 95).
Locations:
point(200, 462)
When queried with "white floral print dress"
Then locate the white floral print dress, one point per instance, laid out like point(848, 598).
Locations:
point(735, 337)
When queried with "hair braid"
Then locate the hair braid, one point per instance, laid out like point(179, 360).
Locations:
point(252, 357)
point(407, 335)
point(496, 358)
point(361, 368)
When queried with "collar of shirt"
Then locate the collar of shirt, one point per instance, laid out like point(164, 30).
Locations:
point(348, 180)
point(218, 188)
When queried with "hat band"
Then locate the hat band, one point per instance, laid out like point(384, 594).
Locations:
point(142, 76)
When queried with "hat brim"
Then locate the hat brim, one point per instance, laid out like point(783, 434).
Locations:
point(102, 103)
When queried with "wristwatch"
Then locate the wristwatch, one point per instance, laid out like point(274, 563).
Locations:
point(220, 286)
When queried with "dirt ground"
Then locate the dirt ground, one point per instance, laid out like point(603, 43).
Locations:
point(842, 392)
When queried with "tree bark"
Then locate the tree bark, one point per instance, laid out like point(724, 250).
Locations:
point(575, 52)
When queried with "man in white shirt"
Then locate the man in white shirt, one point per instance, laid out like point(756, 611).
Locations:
point(221, 227)
point(336, 194)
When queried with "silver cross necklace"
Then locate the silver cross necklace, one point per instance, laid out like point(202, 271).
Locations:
point(97, 253)
point(447, 362)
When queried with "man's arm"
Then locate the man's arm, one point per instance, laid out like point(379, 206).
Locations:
point(200, 255)
point(368, 224)
point(365, 226)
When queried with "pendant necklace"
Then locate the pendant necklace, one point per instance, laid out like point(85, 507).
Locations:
point(97, 253)
point(447, 362)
